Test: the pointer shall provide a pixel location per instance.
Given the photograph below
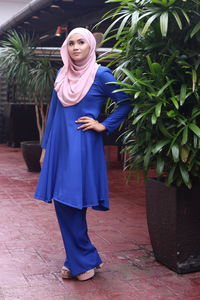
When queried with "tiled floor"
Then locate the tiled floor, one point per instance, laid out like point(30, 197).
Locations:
point(31, 250)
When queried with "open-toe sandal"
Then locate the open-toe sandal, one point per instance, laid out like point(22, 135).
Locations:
point(86, 275)
point(65, 273)
point(99, 266)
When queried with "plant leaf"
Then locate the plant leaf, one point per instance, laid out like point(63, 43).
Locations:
point(185, 14)
point(195, 129)
point(138, 118)
point(164, 87)
point(160, 165)
point(177, 18)
point(153, 119)
point(121, 27)
point(170, 177)
point(175, 102)
point(195, 30)
point(183, 93)
point(148, 23)
point(164, 130)
point(194, 79)
point(184, 154)
point(185, 176)
point(158, 109)
point(158, 147)
point(175, 152)
point(164, 23)
point(147, 158)
point(185, 136)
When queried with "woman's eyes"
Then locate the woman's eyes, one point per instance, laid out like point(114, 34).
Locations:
point(79, 42)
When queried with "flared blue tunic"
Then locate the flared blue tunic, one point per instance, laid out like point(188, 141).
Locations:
point(74, 168)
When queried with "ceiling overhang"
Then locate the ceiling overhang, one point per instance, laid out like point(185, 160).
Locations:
point(42, 17)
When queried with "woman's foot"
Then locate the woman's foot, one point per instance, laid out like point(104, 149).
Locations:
point(65, 273)
point(86, 275)
point(99, 266)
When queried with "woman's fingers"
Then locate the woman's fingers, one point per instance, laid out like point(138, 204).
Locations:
point(90, 123)
point(85, 126)
point(84, 120)
point(87, 123)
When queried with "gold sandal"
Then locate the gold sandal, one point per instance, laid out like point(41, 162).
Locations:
point(88, 274)
point(99, 266)
point(65, 273)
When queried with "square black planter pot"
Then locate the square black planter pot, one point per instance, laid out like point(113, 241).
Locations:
point(173, 217)
point(20, 123)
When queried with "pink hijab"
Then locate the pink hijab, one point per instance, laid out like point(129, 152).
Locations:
point(74, 81)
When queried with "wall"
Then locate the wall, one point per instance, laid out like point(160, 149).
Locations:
point(9, 8)
point(3, 99)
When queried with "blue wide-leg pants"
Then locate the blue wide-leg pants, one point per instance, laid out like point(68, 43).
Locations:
point(81, 255)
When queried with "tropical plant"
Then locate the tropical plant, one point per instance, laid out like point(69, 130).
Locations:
point(33, 76)
point(158, 65)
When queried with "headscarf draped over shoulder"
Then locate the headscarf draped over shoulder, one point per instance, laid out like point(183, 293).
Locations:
point(74, 81)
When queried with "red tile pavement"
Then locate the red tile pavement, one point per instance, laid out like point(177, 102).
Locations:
point(31, 250)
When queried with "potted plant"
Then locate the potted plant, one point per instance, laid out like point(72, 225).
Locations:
point(33, 76)
point(159, 67)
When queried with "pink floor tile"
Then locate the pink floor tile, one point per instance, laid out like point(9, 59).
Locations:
point(31, 249)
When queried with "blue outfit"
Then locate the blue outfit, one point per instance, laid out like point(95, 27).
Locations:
point(74, 169)
point(81, 255)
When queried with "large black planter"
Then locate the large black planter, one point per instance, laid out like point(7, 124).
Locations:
point(20, 123)
point(31, 152)
point(173, 217)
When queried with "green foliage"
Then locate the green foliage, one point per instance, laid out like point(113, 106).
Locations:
point(42, 79)
point(158, 65)
point(32, 75)
point(22, 67)
point(16, 57)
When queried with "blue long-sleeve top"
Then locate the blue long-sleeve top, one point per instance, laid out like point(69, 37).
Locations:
point(103, 87)
point(74, 169)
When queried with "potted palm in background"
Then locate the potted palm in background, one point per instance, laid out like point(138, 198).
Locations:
point(158, 65)
point(33, 77)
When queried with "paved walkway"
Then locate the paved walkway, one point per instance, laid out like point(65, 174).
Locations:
point(31, 250)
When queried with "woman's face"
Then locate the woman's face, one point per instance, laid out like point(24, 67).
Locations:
point(78, 48)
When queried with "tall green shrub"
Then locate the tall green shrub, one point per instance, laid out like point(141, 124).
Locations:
point(33, 76)
point(159, 67)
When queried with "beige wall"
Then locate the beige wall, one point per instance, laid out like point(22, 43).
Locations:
point(8, 8)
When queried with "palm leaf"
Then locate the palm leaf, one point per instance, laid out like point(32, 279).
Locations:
point(164, 23)
point(177, 18)
point(148, 23)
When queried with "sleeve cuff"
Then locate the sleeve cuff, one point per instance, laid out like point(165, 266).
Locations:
point(108, 130)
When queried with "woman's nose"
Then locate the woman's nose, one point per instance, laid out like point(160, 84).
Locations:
point(76, 46)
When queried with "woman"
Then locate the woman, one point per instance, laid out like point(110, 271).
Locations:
point(73, 165)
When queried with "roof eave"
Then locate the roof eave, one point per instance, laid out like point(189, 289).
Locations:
point(25, 13)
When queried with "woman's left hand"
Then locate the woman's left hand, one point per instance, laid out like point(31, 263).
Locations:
point(90, 123)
